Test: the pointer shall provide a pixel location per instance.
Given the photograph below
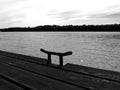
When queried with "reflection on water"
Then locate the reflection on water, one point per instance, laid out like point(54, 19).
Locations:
point(95, 49)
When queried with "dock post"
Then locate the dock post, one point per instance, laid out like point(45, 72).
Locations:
point(49, 53)
point(49, 59)
point(60, 60)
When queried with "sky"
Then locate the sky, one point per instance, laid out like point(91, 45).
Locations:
point(24, 13)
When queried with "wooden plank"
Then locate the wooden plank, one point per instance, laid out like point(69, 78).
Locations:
point(25, 57)
point(111, 75)
point(32, 59)
point(33, 81)
point(68, 77)
point(7, 85)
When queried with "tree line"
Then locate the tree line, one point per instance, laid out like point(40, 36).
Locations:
point(112, 27)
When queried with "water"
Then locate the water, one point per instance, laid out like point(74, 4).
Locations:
point(100, 50)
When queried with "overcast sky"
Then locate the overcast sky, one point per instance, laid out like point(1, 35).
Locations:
point(60, 12)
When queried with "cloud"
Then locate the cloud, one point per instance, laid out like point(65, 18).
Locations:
point(65, 15)
point(98, 18)
point(46, 12)
point(12, 6)
point(4, 18)
point(110, 12)
point(68, 15)
point(110, 15)
point(116, 6)
point(11, 1)
point(113, 15)
point(10, 20)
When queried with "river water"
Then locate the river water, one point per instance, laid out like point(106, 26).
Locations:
point(94, 49)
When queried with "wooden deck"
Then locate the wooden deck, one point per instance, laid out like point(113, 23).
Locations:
point(20, 72)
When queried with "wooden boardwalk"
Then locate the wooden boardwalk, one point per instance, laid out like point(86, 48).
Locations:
point(20, 72)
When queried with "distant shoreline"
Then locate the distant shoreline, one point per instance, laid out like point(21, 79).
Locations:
point(82, 28)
